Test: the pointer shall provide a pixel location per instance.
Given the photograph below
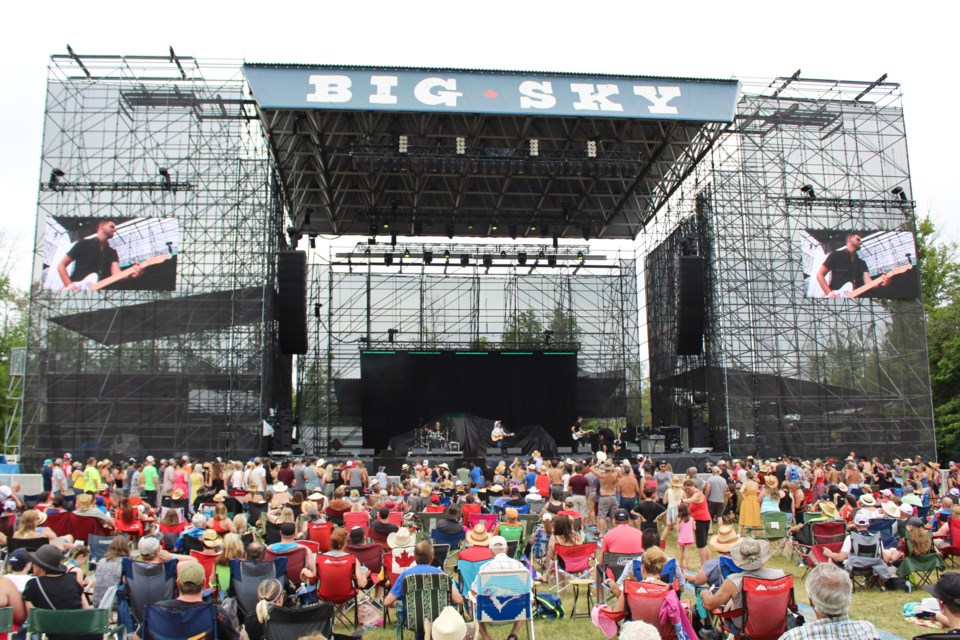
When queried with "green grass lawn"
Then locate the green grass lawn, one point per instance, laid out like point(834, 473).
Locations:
point(882, 608)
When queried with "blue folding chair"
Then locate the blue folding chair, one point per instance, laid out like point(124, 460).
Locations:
point(143, 584)
point(163, 623)
point(246, 576)
point(505, 597)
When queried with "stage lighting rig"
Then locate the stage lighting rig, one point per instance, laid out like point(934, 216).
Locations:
point(900, 193)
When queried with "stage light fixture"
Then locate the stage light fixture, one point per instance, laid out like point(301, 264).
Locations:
point(388, 259)
point(552, 260)
point(406, 253)
point(556, 241)
point(461, 145)
point(404, 144)
point(808, 191)
point(900, 193)
point(313, 241)
point(450, 230)
point(427, 257)
point(580, 256)
point(503, 254)
point(521, 258)
point(55, 176)
point(392, 334)
point(487, 260)
point(464, 260)
point(393, 239)
point(591, 148)
point(386, 225)
point(470, 225)
point(446, 254)
point(494, 227)
point(534, 147)
point(533, 227)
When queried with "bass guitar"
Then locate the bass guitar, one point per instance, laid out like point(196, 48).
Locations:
point(93, 283)
point(847, 290)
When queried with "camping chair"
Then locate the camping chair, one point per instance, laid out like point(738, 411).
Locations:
point(246, 576)
point(489, 520)
point(299, 622)
point(887, 528)
point(538, 546)
point(467, 508)
point(98, 547)
point(163, 623)
point(59, 522)
point(466, 574)
point(163, 514)
point(208, 561)
point(320, 532)
point(133, 530)
point(271, 531)
point(50, 622)
point(505, 597)
point(6, 619)
point(311, 545)
point(644, 601)
point(451, 541)
point(920, 569)
point(255, 510)
point(423, 597)
point(395, 518)
point(769, 600)
point(82, 527)
point(530, 523)
point(360, 519)
point(575, 571)
point(611, 565)
point(189, 544)
point(145, 583)
point(296, 561)
point(171, 533)
point(369, 554)
point(864, 559)
point(775, 530)
point(337, 585)
point(428, 522)
point(825, 534)
point(512, 533)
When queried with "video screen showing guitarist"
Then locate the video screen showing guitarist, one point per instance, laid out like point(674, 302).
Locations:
point(94, 256)
point(845, 266)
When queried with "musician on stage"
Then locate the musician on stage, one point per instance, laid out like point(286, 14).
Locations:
point(93, 255)
point(498, 434)
point(845, 266)
point(576, 431)
point(435, 436)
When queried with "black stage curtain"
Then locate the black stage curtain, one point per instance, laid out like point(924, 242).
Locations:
point(473, 434)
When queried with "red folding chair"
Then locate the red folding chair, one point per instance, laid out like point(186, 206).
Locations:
point(353, 519)
point(644, 601)
point(952, 552)
point(395, 518)
point(337, 585)
point(320, 532)
point(296, 561)
point(82, 527)
point(312, 545)
point(576, 572)
point(208, 561)
point(769, 601)
point(827, 534)
point(59, 522)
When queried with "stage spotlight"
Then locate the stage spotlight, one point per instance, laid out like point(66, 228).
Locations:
point(55, 176)
point(403, 144)
point(386, 225)
point(470, 225)
point(807, 190)
point(521, 258)
point(487, 260)
point(591, 148)
point(461, 145)
point(552, 260)
point(392, 334)
point(450, 230)
point(388, 259)
point(900, 193)
point(464, 260)
point(313, 241)
point(446, 254)
point(427, 257)
point(580, 256)
point(503, 254)
point(406, 253)
point(493, 227)
point(534, 147)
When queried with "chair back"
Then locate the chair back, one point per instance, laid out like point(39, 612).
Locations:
point(644, 601)
point(827, 532)
point(728, 567)
point(353, 519)
point(886, 528)
point(379, 538)
point(440, 553)
point(30, 544)
point(765, 606)
point(468, 570)
point(370, 555)
point(424, 596)
point(189, 544)
point(135, 527)
point(504, 596)
point(98, 546)
point(337, 582)
point(296, 561)
point(310, 544)
point(452, 540)
point(82, 527)
point(435, 508)
point(530, 524)
point(208, 561)
point(525, 509)
point(6, 619)
point(271, 532)
point(511, 532)
point(300, 622)
point(396, 560)
point(576, 558)
point(163, 514)
point(52, 622)
point(489, 520)
point(613, 564)
point(255, 510)
point(246, 576)
point(320, 532)
point(162, 623)
point(395, 518)
point(865, 545)
point(467, 508)
point(59, 522)
point(774, 525)
point(147, 583)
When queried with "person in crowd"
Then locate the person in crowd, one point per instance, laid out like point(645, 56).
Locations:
point(220, 521)
point(270, 593)
point(622, 538)
point(107, 573)
point(288, 542)
point(232, 549)
point(19, 564)
point(52, 586)
point(338, 540)
point(947, 592)
point(749, 504)
point(190, 583)
point(500, 562)
point(31, 526)
point(85, 507)
point(423, 556)
point(671, 612)
point(649, 510)
point(383, 527)
point(830, 592)
point(750, 556)
point(563, 534)
point(850, 561)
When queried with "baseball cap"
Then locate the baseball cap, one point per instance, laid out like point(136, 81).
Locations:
point(914, 521)
point(191, 573)
point(148, 546)
point(621, 515)
point(861, 520)
point(498, 542)
point(151, 459)
point(947, 589)
point(18, 559)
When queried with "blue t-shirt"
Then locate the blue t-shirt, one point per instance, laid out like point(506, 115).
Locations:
point(476, 476)
point(530, 479)
point(281, 547)
point(397, 589)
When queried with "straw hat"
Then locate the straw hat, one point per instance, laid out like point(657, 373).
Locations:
point(770, 481)
point(279, 487)
point(403, 537)
point(478, 536)
point(221, 496)
point(315, 496)
point(842, 487)
point(725, 539)
point(677, 481)
point(510, 514)
point(750, 554)
point(84, 501)
point(449, 625)
point(891, 509)
point(868, 500)
point(211, 539)
point(177, 494)
point(41, 517)
point(829, 509)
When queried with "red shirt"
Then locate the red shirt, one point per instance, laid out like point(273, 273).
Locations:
point(578, 484)
point(622, 539)
point(475, 554)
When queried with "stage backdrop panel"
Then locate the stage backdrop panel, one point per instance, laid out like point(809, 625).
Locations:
point(403, 390)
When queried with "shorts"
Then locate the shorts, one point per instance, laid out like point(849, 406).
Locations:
point(607, 507)
point(701, 532)
point(716, 509)
point(629, 504)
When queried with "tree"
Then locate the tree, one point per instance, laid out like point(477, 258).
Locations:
point(940, 283)
point(13, 325)
point(523, 330)
point(563, 324)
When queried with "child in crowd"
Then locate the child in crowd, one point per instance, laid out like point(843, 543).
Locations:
point(684, 532)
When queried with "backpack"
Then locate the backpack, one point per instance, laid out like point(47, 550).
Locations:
point(794, 475)
point(549, 606)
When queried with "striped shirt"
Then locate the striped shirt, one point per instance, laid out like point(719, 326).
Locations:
point(837, 628)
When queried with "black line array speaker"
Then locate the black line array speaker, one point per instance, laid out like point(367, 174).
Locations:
point(691, 306)
point(292, 302)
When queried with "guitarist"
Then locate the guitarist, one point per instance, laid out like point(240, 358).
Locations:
point(846, 266)
point(498, 434)
point(93, 255)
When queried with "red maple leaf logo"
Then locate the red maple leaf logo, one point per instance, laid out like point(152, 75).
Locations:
point(491, 94)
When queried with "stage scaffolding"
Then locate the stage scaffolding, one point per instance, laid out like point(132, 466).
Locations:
point(589, 306)
point(120, 373)
point(781, 373)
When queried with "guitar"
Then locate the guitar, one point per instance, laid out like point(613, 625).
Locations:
point(847, 290)
point(93, 283)
point(497, 437)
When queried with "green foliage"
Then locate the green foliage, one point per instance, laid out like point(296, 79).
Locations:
point(13, 335)
point(523, 330)
point(940, 281)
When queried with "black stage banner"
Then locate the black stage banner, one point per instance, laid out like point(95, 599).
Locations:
point(473, 435)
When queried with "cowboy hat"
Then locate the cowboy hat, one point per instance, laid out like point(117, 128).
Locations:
point(868, 500)
point(401, 538)
point(891, 509)
point(221, 496)
point(49, 558)
point(478, 536)
point(829, 509)
point(726, 537)
point(177, 494)
point(279, 487)
point(770, 481)
point(601, 456)
point(84, 501)
point(316, 495)
point(842, 487)
point(750, 554)
point(211, 539)
point(676, 481)
point(41, 517)
point(449, 625)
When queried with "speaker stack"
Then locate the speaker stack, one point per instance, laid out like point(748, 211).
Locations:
point(292, 302)
point(691, 306)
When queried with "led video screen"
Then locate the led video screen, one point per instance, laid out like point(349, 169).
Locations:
point(95, 254)
point(846, 264)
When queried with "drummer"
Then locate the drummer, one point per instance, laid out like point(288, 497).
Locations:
point(435, 436)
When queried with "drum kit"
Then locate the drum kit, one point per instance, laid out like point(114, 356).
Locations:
point(435, 439)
